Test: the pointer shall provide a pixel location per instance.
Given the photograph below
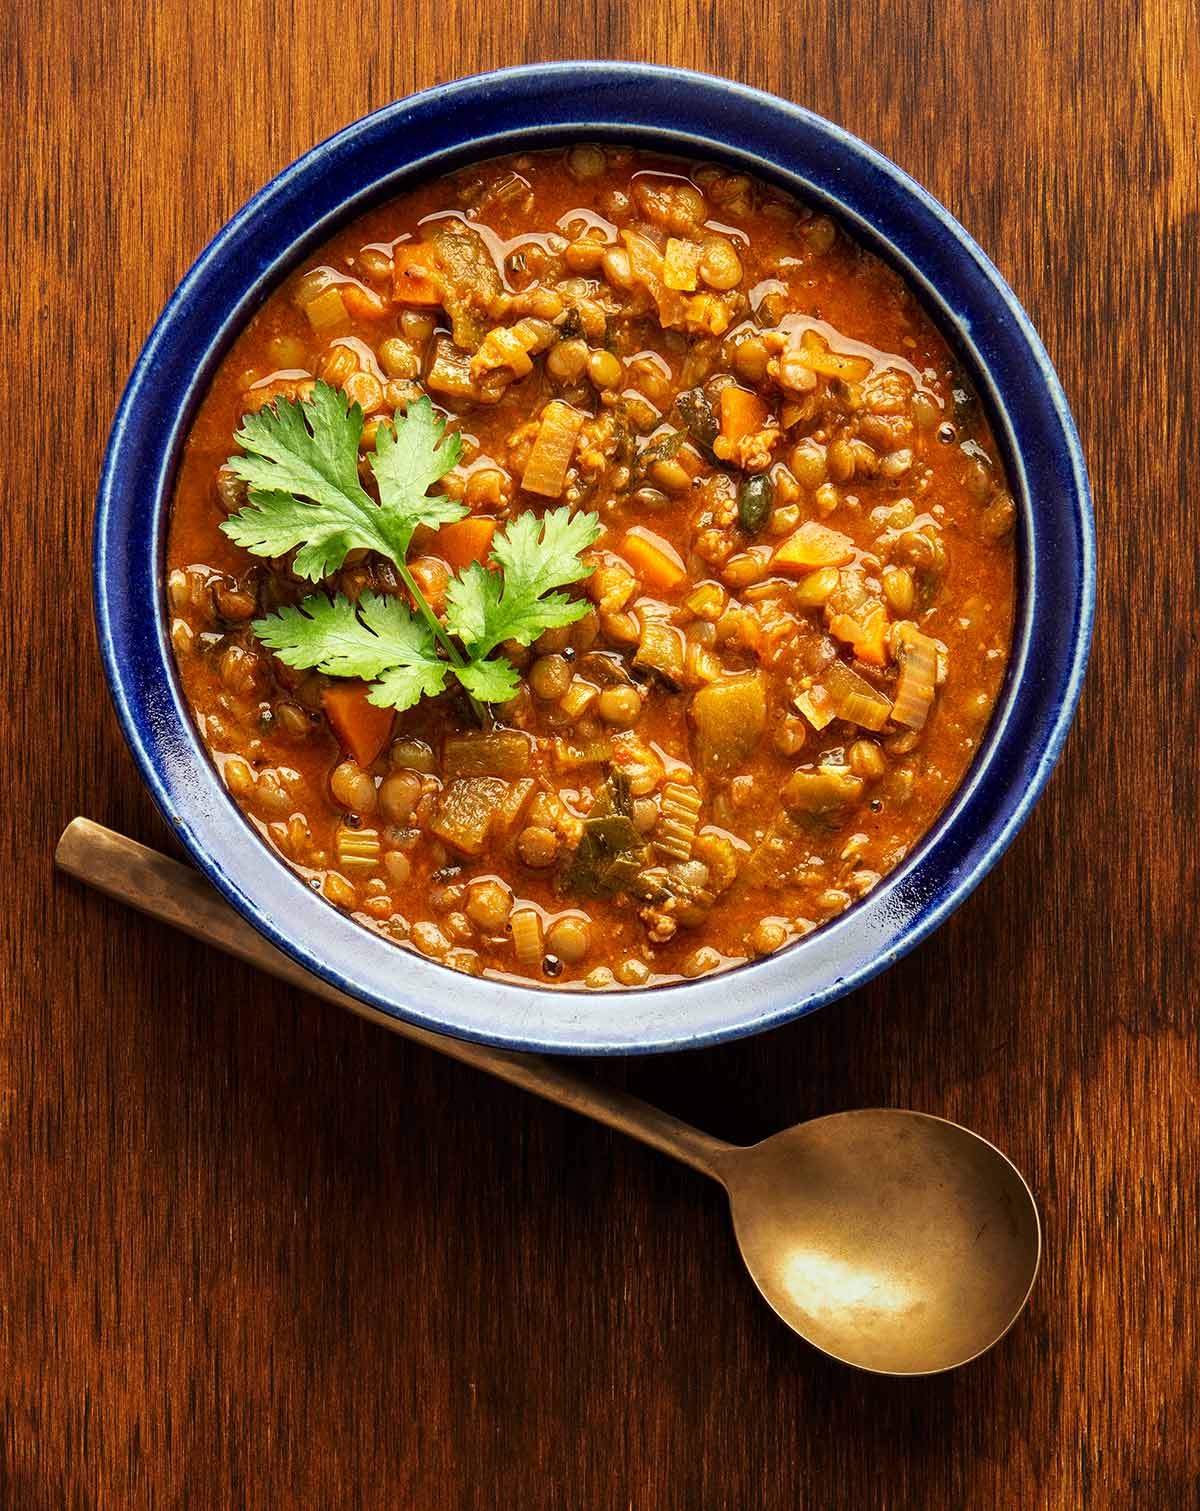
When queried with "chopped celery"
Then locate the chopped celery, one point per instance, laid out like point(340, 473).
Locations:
point(823, 791)
point(660, 649)
point(729, 717)
point(917, 655)
point(495, 752)
point(466, 812)
point(471, 280)
point(854, 698)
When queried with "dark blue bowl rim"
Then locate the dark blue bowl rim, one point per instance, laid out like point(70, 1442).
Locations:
point(696, 115)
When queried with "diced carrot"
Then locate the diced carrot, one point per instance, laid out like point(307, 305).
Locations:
point(415, 274)
point(362, 303)
point(868, 634)
point(653, 559)
point(464, 541)
point(742, 413)
point(811, 546)
point(362, 728)
point(430, 575)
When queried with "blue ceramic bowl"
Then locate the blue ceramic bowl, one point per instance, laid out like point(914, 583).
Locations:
point(695, 116)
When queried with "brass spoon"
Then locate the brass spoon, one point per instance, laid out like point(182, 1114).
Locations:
point(894, 1241)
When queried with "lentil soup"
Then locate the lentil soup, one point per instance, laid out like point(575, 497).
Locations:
point(683, 582)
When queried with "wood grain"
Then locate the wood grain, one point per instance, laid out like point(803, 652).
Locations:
point(254, 1253)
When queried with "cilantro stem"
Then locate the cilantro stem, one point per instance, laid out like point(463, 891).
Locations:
point(430, 618)
point(435, 624)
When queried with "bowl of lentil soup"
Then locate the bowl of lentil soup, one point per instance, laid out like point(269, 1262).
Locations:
point(592, 558)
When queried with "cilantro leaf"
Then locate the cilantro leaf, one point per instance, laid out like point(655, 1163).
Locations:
point(278, 521)
point(490, 681)
point(377, 637)
point(408, 463)
point(308, 448)
point(401, 687)
point(536, 555)
point(301, 462)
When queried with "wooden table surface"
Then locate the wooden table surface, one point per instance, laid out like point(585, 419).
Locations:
point(255, 1253)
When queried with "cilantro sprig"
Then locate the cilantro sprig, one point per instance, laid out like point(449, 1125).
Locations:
point(305, 495)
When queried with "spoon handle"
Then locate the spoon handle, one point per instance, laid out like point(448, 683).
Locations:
point(175, 894)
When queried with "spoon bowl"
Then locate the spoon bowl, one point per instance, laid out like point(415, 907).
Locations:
point(895, 1241)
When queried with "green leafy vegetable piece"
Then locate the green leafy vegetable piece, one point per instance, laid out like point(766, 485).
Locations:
point(301, 464)
point(697, 413)
point(535, 556)
point(754, 502)
point(616, 796)
point(611, 851)
point(665, 449)
point(376, 638)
